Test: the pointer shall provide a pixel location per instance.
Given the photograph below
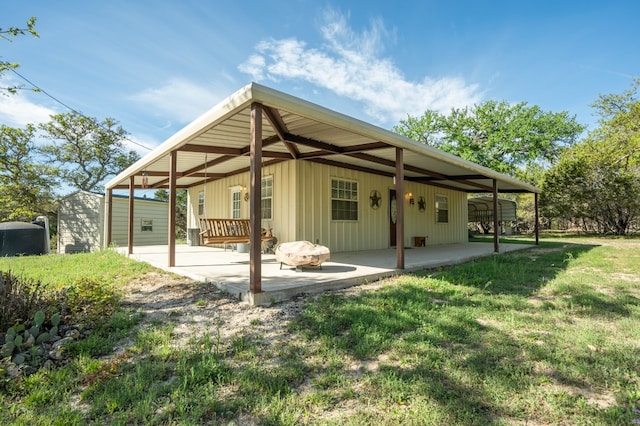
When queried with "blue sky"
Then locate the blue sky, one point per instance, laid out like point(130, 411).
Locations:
point(156, 65)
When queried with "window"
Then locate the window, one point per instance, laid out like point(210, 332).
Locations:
point(344, 200)
point(236, 198)
point(201, 203)
point(146, 225)
point(442, 209)
point(266, 198)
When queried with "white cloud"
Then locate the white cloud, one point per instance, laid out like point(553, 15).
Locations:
point(178, 99)
point(350, 65)
point(17, 110)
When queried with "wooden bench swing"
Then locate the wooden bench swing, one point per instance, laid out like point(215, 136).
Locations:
point(229, 231)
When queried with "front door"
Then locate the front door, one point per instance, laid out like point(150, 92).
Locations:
point(393, 217)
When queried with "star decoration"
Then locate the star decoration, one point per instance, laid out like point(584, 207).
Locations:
point(422, 205)
point(375, 199)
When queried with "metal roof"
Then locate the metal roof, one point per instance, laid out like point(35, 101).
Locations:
point(481, 209)
point(216, 145)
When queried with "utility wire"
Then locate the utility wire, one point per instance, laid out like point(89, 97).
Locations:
point(41, 90)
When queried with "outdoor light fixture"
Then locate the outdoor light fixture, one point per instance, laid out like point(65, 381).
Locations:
point(409, 197)
point(145, 180)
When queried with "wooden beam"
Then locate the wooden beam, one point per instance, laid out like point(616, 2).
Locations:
point(173, 161)
point(130, 223)
point(208, 149)
point(400, 208)
point(301, 140)
point(279, 126)
point(496, 231)
point(536, 226)
point(350, 166)
point(255, 205)
point(109, 218)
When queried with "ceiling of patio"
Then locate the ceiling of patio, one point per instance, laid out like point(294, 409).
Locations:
point(216, 145)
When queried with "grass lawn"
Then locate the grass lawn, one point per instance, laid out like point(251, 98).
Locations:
point(549, 335)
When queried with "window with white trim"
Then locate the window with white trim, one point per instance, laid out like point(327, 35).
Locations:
point(236, 203)
point(266, 198)
point(344, 199)
point(442, 209)
point(201, 203)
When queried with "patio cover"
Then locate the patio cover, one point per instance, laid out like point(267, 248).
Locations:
point(259, 126)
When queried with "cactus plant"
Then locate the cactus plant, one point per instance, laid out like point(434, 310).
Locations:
point(19, 338)
point(39, 318)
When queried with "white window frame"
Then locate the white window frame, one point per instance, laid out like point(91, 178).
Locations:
point(201, 203)
point(440, 208)
point(266, 196)
point(344, 192)
point(146, 225)
point(236, 203)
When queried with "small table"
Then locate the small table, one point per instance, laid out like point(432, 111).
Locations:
point(419, 241)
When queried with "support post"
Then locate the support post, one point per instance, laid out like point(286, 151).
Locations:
point(496, 231)
point(130, 227)
point(400, 208)
point(173, 160)
point(109, 218)
point(255, 208)
point(536, 226)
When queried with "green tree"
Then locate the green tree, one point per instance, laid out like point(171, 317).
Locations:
point(26, 189)
point(181, 209)
point(504, 137)
point(596, 184)
point(8, 35)
point(85, 150)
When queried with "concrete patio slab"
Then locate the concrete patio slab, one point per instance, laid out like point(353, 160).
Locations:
point(229, 270)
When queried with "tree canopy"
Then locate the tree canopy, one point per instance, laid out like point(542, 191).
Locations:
point(26, 187)
point(85, 150)
point(504, 137)
point(596, 184)
point(8, 35)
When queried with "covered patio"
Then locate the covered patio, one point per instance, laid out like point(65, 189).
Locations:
point(258, 127)
point(229, 270)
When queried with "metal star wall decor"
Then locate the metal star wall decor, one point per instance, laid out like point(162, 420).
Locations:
point(422, 205)
point(375, 199)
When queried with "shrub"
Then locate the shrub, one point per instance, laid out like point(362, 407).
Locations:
point(20, 299)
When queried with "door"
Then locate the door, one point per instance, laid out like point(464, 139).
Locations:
point(393, 217)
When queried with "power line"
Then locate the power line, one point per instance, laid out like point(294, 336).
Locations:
point(41, 90)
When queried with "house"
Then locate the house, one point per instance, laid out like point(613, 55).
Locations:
point(310, 173)
point(81, 224)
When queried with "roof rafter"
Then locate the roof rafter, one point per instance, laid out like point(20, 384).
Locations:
point(279, 126)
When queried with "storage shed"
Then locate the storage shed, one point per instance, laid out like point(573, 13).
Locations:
point(81, 225)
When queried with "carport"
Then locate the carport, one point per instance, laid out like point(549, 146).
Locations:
point(258, 126)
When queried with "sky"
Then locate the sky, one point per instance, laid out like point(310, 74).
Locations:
point(156, 65)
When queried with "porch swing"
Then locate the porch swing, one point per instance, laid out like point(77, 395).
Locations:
point(226, 231)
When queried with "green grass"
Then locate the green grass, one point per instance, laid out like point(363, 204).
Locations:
point(60, 270)
point(544, 336)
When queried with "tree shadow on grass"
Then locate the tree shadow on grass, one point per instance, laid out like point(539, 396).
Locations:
point(473, 369)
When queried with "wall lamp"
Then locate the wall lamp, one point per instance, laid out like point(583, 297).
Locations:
point(409, 197)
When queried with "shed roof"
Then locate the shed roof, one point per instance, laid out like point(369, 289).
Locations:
point(216, 145)
point(481, 209)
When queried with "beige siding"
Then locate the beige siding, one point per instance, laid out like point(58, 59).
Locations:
point(142, 210)
point(218, 199)
point(419, 223)
point(370, 231)
point(302, 208)
point(79, 223)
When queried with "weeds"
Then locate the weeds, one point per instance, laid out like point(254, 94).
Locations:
point(546, 336)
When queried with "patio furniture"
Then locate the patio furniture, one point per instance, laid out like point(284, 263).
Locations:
point(228, 231)
point(419, 241)
point(302, 253)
